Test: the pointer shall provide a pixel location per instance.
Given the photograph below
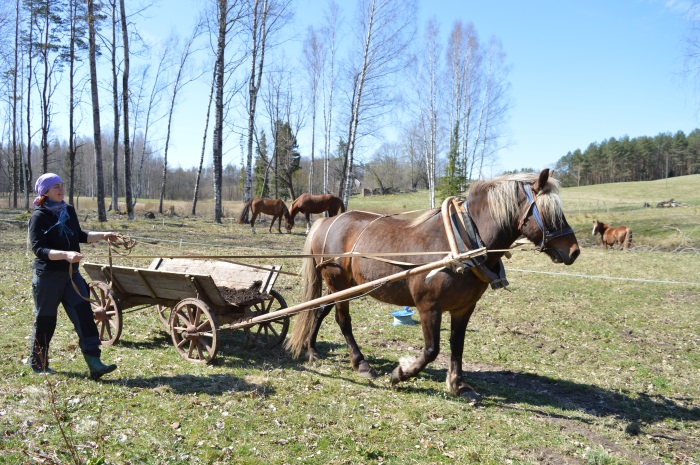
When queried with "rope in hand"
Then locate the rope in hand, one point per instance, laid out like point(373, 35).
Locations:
point(115, 243)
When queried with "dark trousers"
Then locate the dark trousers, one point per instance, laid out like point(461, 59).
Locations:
point(51, 288)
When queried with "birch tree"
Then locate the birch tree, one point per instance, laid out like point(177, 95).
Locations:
point(328, 76)
point(313, 61)
point(429, 103)
point(386, 29)
point(178, 83)
point(266, 18)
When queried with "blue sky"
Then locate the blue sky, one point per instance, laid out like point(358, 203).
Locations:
point(581, 71)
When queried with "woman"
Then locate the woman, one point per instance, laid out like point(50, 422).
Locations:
point(55, 234)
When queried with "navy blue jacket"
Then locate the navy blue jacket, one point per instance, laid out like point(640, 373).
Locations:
point(42, 219)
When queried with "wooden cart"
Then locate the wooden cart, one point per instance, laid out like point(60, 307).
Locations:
point(196, 300)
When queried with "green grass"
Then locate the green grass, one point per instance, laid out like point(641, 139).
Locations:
point(592, 369)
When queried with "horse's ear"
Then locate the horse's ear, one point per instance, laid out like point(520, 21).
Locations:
point(541, 181)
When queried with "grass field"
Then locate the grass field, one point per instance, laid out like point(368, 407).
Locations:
point(596, 363)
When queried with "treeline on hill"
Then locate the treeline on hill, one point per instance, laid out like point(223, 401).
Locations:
point(639, 159)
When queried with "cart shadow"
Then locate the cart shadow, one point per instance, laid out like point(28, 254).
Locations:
point(215, 384)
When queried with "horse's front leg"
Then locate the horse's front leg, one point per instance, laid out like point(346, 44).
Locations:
point(308, 222)
point(342, 317)
point(455, 383)
point(430, 320)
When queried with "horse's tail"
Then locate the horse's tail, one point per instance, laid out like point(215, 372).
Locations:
point(628, 238)
point(243, 219)
point(312, 290)
point(342, 206)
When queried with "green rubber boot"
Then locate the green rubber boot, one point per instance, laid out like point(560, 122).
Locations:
point(97, 368)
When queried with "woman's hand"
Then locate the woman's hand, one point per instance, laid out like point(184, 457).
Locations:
point(109, 236)
point(73, 257)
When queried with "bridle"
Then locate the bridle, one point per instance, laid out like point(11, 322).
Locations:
point(547, 234)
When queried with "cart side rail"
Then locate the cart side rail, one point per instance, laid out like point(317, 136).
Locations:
point(156, 284)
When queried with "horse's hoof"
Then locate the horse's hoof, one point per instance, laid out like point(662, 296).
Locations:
point(471, 396)
point(366, 371)
point(396, 376)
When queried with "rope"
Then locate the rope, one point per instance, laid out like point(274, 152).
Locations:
point(611, 278)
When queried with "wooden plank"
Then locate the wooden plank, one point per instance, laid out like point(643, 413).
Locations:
point(157, 284)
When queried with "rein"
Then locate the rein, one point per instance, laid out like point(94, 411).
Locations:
point(547, 234)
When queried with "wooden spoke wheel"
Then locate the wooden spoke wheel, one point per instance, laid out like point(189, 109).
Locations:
point(106, 311)
point(164, 312)
point(193, 329)
point(268, 333)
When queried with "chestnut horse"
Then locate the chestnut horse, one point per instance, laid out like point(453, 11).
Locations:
point(620, 235)
point(500, 210)
point(274, 207)
point(308, 204)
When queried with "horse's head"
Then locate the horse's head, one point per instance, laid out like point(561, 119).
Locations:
point(543, 221)
point(289, 219)
point(597, 228)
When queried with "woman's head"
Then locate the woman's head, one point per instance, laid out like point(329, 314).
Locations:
point(49, 186)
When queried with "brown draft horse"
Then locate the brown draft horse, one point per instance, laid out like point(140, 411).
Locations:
point(274, 207)
point(501, 210)
point(620, 235)
point(308, 204)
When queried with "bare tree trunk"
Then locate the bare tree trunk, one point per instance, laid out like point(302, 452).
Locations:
point(125, 99)
point(256, 70)
point(45, 90)
point(176, 87)
point(332, 19)
point(219, 108)
point(115, 103)
point(204, 144)
point(314, 67)
point(386, 26)
point(97, 138)
point(30, 71)
point(16, 156)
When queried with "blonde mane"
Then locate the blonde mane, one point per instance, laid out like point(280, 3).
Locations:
point(502, 194)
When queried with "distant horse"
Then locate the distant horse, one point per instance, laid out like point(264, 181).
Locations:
point(308, 204)
point(274, 207)
point(621, 235)
point(499, 210)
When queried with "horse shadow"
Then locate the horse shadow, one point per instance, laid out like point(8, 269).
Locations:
point(501, 387)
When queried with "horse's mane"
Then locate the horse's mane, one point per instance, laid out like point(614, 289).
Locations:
point(502, 194)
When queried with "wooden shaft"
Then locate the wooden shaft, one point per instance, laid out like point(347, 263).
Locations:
point(355, 290)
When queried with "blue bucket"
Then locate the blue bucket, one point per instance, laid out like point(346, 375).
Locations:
point(403, 317)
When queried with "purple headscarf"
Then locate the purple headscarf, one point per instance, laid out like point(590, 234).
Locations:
point(45, 182)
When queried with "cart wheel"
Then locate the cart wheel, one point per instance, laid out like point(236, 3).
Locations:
point(106, 311)
point(269, 333)
point(193, 329)
point(164, 315)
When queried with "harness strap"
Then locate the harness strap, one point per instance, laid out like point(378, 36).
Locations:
point(459, 223)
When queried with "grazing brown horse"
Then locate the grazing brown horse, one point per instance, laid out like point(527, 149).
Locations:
point(308, 204)
point(499, 210)
point(621, 235)
point(274, 207)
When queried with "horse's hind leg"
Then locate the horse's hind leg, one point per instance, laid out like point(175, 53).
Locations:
point(430, 322)
point(342, 317)
point(320, 314)
point(252, 222)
